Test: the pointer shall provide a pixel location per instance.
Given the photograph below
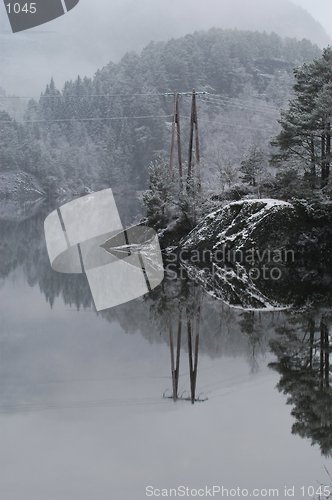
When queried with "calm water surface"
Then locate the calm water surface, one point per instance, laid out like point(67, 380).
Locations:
point(87, 406)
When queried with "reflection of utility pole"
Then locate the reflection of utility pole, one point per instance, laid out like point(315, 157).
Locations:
point(193, 364)
point(311, 327)
point(175, 369)
point(193, 329)
point(192, 355)
point(324, 354)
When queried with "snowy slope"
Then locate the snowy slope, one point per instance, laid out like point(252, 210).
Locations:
point(244, 224)
point(262, 254)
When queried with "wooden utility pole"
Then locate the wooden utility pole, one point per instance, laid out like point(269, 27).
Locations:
point(176, 134)
point(193, 135)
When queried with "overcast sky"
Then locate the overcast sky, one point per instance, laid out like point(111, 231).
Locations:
point(321, 10)
point(99, 31)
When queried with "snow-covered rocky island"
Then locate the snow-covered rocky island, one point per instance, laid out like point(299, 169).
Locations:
point(262, 229)
point(260, 253)
point(242, 225)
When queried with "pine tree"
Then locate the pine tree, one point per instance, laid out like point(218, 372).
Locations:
point(158, 199)
point(306, 125)
point(253, 167)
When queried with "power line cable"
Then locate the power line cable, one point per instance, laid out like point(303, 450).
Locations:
point(74, 96)
point(261, 103)
point(111, 118)
point(244, 108)
point(234, 125)
point(241, 105)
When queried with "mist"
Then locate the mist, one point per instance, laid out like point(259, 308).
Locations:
point(95, 33)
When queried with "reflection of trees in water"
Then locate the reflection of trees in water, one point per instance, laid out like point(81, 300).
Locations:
point(251, 325)
point(303, 350)
point(222, 331)
point(220, 328)
point(182, 315)
point(23, 245)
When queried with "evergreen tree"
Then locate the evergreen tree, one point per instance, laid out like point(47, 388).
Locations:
point(158, 199)
point(306, 125)
point(253, 167)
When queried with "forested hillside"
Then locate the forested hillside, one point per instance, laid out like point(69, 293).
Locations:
point(117, 27)
point(106, 130)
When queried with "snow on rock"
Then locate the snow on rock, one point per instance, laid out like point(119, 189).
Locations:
point(290, 250)
point(245, 224)
point(19, 185)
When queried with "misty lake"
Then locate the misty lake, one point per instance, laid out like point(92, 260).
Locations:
point(100, 406)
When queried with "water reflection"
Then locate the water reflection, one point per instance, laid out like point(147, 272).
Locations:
point(303, 348)
point(192, 324)
point(181, 316)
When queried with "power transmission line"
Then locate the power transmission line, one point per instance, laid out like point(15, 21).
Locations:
point(236, 126)
point(210, 97)
point(215, 99)
point(111, 118)
point(235, 107)
point(242, 105)
point(217, 103)
point(70, 120)
point(261, 103)
point(75, 96)
point(85, 96)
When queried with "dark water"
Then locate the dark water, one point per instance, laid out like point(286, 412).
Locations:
point(99, 406)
